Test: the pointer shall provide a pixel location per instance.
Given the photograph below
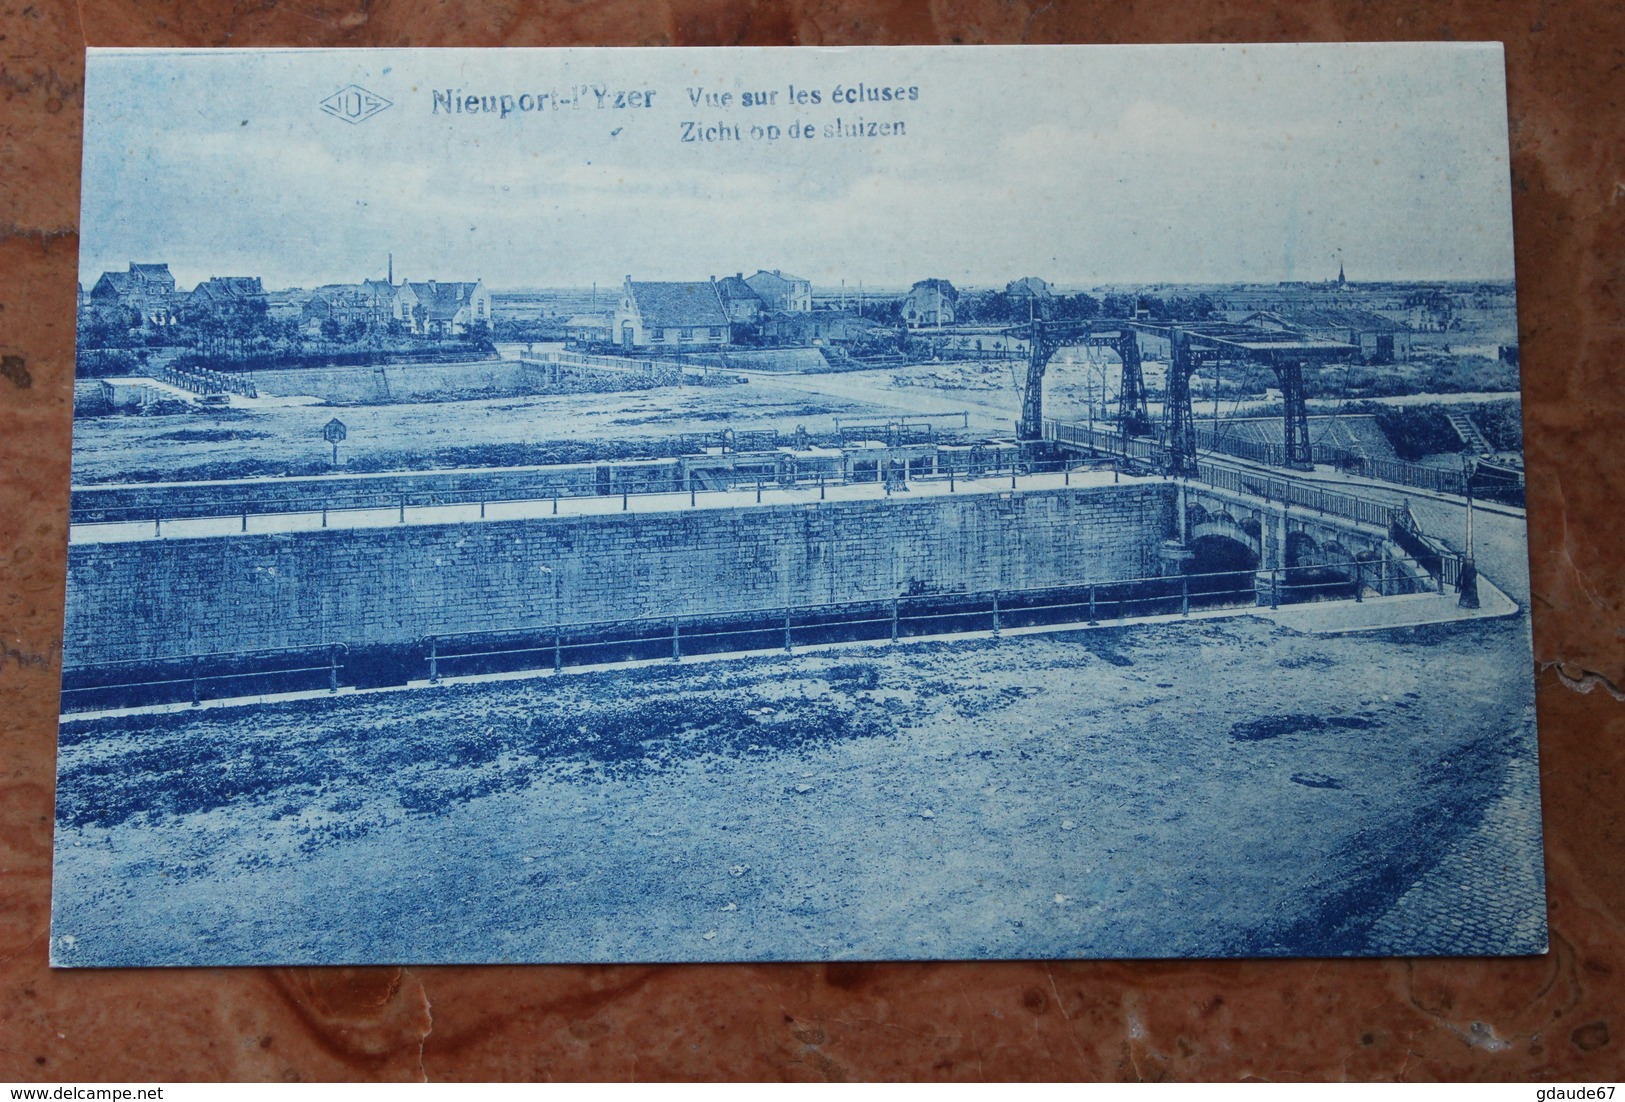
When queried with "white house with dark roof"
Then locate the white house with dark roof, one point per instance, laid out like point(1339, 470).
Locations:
point(781, 292)
point(431, 308)
point(670, 316)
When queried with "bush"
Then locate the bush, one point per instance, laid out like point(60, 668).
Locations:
point(100, 363)
point(1501, 423)
point(1415, 431)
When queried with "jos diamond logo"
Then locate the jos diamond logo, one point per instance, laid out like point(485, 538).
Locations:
point(354, 104)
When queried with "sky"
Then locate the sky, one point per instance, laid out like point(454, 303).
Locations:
point(1082, 165)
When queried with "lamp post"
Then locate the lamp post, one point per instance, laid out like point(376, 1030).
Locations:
point(1468, 583)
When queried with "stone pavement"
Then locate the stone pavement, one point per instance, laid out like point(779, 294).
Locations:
point(1487, 893)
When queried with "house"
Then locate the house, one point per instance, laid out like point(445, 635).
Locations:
point(146, 290)
point(1029, 293)
point(1379, 339)
point(1430, 311)
point(379, 297)
point(671, 315)
point(780, 292)
point(341, 303)
point(744, 305)
point(589, 328)
point(818, 329)
point(226, 299)
point(930, 302)
point(287, 304)
point(434, 309)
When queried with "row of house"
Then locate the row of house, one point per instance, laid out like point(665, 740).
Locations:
point(709, 314)
point(425, 307)
point(148, 293)
point(935, 302)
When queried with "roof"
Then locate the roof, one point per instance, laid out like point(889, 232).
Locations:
point(735, 289)
point(443, 300)
point(940, 285)
point(1028, 285)
point(141, 278)
point(1342, 317)
point(381, 288)
point(118, 282)
point(775, 280)
point(1357, 432)
point(235, 288)
point(678, 304)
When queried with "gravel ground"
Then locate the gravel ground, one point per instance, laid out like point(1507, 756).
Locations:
point(283, 439)
point(1196, 789)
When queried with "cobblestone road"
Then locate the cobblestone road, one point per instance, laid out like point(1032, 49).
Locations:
point(1486, 894)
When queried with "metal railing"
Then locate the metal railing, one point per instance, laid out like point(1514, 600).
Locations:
point(1113, 443)
point(195, 677)
point(784, 628)
point(1303, 495)
point(1289, 491)
point(951, 468)
point(1447, 480)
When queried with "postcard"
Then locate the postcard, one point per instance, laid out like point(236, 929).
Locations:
point(568, 505)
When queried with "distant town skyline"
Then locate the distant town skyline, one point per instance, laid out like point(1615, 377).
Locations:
point(1134, 165)
point(852, 289)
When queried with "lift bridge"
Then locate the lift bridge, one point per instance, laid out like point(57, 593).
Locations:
point(1192, 346)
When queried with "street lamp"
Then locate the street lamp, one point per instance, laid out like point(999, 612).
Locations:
point(1468, 583)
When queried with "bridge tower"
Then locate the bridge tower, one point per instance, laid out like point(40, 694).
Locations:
point(1179, 420)
point(1047, 338)
point(1041, 345)
point(1299, 452)
point(1132, 417)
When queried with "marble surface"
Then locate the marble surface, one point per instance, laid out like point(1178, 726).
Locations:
point(1554, 1018)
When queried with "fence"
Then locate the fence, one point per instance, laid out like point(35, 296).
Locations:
point(1447, 480)
point(194, 678)
point(765, 479)
point(1305, 495)
point(788, 627)
point(1113, 443)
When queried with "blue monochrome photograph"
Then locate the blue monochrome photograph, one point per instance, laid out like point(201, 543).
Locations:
point(735, 504)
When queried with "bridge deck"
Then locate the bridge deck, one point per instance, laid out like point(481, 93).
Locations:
point(564, 507)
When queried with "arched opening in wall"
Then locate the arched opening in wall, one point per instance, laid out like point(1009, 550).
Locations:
point(1315, 572)
point(1083, 384)
point(1220, 571)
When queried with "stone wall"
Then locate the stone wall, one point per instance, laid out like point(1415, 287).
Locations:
point(156, 598)
point(393, 382)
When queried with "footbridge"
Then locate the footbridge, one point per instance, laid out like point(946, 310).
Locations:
point(1191, 346)
point(1280, 525)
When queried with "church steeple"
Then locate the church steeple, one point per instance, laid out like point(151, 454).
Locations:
point(1342, 284)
